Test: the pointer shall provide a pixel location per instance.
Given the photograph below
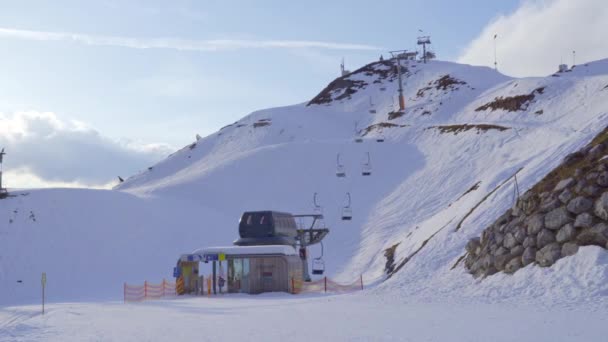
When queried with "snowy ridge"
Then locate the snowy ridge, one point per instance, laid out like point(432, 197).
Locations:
point(277, 158)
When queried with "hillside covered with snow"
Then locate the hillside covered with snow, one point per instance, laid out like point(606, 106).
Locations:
point(441, 172)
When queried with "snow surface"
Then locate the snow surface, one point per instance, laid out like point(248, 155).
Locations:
point(90, 241)
point(283, 317)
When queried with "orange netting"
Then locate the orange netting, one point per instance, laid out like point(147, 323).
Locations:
point(326, 285)
point(138, 293)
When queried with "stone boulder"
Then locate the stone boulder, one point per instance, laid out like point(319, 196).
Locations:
point(473, 246)
point(509, 241)
point(591, 176)
point(549, 254)
point(517, 250)
point(556, 218)
point(544, 238)
point(591, 190)
point(565, 196)
point(596, 235)
point(569, 248)
point(565, 233)
point(528, 202)
point(529, 256)
point(549, 204)
point(579, 186)
point(501, 261)
point(520, 235)
point(513, 265)
point(601, 206)
point(530, 241)
point(584, 220)
point(501, 251)
point(564, 183)
point(579, 205)
point(602, 179)
point(535, 224)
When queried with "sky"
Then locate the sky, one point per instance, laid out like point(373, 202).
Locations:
point(93, 90)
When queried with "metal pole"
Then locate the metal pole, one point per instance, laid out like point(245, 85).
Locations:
point(221, 274)
point(424, 52)
point(304, 258)
point(401, 101)
point(495, 62)
point(214, 277)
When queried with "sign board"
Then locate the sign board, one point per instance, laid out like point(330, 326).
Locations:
point(176, 272)
point(222, 257)
point(211, 257)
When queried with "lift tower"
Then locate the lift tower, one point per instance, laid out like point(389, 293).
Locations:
point(3, 191)
point(423, 40)
point(397, 55)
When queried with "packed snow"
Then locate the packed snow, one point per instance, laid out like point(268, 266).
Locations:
point(281, 317)
point(91, 241)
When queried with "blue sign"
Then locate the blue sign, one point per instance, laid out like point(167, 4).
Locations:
point(176, 272)
point(211, 257)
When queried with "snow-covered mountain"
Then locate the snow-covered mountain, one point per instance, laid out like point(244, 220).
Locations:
point(465, 131)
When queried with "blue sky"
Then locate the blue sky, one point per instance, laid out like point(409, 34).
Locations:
point(167, 95)
point(143, 77)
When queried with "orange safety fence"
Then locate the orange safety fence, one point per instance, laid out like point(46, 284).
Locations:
point(325, 285)
point(138, 293)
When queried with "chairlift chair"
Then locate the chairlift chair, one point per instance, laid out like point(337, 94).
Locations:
point(358, 138)
point(380, 138)
point(372, 110)
point(366, 168)
point(318, 265)
point(317, 209)
point(340, 171)
point(347, 211)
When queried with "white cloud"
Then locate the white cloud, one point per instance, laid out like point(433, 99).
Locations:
point(533, 39)
point(177, 44)
point(43, 150)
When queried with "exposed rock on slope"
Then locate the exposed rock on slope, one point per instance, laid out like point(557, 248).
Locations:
point(567, 209)
point(511, 103)
point(344, 87)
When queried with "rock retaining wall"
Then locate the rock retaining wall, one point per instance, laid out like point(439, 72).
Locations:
point(568, 209)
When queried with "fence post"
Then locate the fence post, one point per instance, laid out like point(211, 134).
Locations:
point(325, 281)
point(124, 293)
point(164, 286)
point(208, 286)
point(293, 288)
point(361, 277)
point(145, 289)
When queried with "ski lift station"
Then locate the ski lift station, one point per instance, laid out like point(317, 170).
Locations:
point(269, 256)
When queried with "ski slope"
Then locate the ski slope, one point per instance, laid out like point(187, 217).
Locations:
point(90, 241)
point(280, 317)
